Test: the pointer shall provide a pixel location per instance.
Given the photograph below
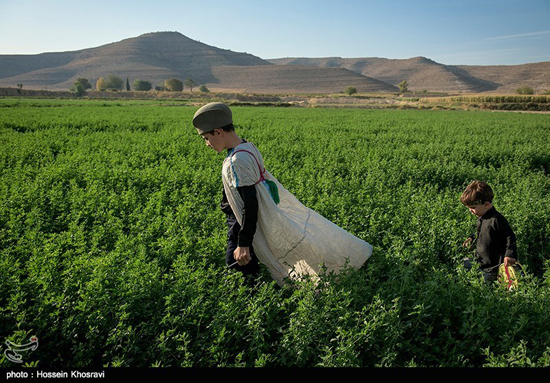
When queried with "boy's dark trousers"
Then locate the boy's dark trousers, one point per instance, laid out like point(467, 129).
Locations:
point(488, 276)
point(252, 267)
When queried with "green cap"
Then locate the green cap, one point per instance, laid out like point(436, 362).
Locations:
point(212, 116)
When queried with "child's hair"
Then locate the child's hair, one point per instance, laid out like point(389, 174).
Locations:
point(228, 128)
point(476, 193)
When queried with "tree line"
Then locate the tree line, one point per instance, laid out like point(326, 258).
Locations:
point(404, 88)
point(116, 83)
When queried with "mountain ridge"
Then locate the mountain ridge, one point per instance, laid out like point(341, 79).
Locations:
point(157, 56)
point(423, 73)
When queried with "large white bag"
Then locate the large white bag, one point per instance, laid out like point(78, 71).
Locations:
point(291, 240)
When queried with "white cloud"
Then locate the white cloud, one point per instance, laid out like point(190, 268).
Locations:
point(520, 35)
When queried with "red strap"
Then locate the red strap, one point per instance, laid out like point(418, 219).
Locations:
point(259, 167)
point(508, 274)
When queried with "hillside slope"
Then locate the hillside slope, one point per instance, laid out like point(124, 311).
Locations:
point(294, 79)
point(155, 57)
point(511, 77)
point(423, 73)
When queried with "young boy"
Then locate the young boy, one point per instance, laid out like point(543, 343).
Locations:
point(215, 124)
point(266, 222)
point(495, 239)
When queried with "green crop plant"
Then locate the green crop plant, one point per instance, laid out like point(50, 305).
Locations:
point(112, 241)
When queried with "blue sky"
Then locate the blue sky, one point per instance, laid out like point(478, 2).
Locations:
point(469, 32)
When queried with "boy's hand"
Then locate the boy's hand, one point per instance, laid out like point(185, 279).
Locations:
point(468, 242)
point(242, 255)
point(509, 261)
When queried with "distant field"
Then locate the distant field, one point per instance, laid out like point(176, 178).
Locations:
point(369, 100)
point(112, 241)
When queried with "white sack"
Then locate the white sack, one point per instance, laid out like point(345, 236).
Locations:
point(291, 240)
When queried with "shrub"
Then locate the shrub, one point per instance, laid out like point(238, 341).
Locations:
point(142, 85)
point(114, 83)
point(525, 89)
point(173, 85)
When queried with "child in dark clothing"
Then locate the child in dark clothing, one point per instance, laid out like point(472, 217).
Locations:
point(495, 239)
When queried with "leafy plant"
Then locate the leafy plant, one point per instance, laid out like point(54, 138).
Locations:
point(112, 240)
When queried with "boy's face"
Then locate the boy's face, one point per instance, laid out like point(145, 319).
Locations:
point(214, 140)
point(479, 210)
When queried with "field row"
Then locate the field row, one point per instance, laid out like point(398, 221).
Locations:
point(112, 241)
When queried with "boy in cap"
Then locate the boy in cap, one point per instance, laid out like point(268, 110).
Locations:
point(290, 239)
point(495, 239)
point(215, 124)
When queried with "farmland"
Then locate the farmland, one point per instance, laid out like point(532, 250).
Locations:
point(112, 241)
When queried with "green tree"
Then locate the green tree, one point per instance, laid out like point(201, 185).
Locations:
point(101, 84)
point(142, 85)
point(204, 89)
point(403, 86)
point(114, 83)
point(78, 89)
point(351, 90)
point(190, 83)
point(173, 85)
point(127, 84)
point(84, 82)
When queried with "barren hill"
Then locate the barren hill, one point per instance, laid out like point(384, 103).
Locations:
point(422, 73)
point(511, 77)
point(152, 57)
point(295, 79)
point(155, 57)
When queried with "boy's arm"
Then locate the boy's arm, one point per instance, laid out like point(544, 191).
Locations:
point(245, 169)
point(507, 234)
point(470, 240)
point(511, 249)
point(249, 215)
point(248, 227)
point(474, 236)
